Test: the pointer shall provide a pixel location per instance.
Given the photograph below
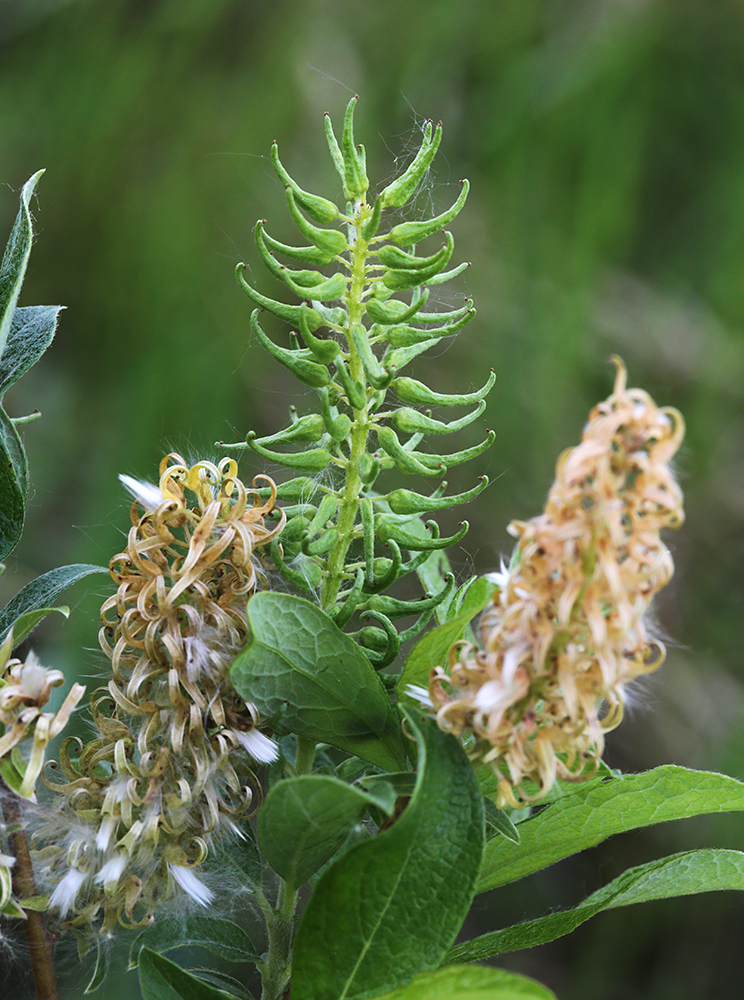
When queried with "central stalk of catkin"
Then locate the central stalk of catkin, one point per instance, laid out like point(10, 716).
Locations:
point(349, 506)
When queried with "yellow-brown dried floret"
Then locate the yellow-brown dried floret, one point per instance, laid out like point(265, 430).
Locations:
point(147, 797)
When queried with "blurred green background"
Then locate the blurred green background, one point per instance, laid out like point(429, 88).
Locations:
point(604, 140)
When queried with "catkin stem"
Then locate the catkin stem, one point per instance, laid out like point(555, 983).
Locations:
point(24, 887)
point(349, 506)
point(275, 973)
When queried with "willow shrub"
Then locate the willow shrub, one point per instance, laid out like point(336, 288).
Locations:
point(265, 727)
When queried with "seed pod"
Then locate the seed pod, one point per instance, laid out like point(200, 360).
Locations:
point(405, 460)
point(392, 256)
point(367, 513)
point(325, 350)
point(309, 255)
point(355, 391)
point(407, 336)
point(294, 529)
point(296, 490)
point(336, 155)
point(343, 612)
point(371, 638)
point(409, 390)
point(306, 279)
point(458, 457)
point(320, 546)
point(389, 531)
point(370, 227)
point(368, 468)
point(406, 502)
point(314, 459)
point(328, 240)
point(401, 356)
point(379, 377)
point(281, 309)
point(306, 573)
point(394, 311)
point(408, 233)
point(389, 651)
point(444, 317)
point(394, 608)
point(319, 209)
point(326, 509)
point(306, 510)
point(355, 177)
point(305, 371)
point(385, 571)
point(329, 290)
point(306, 430)
point(398, 279)
point(441, 279)
point(413, 422)
point(337, 425)
point(397, 193)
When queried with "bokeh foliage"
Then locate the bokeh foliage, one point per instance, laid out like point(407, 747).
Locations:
point(604, 141)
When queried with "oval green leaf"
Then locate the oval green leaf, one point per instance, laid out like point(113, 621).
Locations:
point(31, 332)
point(37, 597)
point(299, 667)
point(683, 874)
point(161, 979)
point(221, 937)
point(471, 982)
point(595, 811)
point(305, 820)
point(388, 909)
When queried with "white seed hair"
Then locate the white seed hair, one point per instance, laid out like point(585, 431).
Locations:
point(260, 747)
point(191, 884)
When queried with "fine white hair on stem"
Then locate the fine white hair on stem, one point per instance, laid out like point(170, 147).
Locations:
point(66, 892)
point(260, 747)
point(191, 884)
point(149, 496)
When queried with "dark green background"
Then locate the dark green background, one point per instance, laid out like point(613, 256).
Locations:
point(605, 145)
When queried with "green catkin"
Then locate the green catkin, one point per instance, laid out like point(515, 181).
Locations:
point(358, 542)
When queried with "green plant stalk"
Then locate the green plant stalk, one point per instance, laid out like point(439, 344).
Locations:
point(24, 886)
point(281, 920)
point(349, 506)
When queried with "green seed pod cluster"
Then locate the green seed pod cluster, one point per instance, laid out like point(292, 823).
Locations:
point(354, 331)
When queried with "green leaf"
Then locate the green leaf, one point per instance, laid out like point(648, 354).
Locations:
point(498, 821)
point(431, 650)
point(31, 332)
point(13, 485)
point(15, 259)
point(222, 979)
point(221, 937)
point(471, 982)
point(161, 979)
point(305, 820)
point(25, 625)
point(37, 597)
point(683, 874)
point(598, 810)
point(387, 910)
point(301, 666)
